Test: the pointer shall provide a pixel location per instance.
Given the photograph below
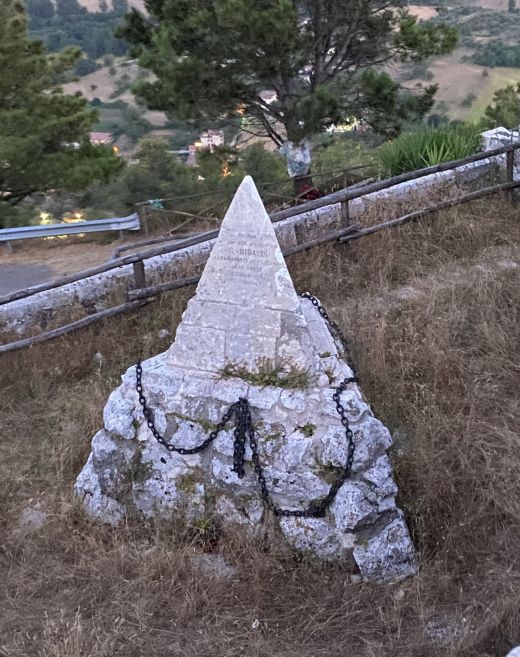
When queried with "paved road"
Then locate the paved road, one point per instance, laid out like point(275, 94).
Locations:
point(19, 277)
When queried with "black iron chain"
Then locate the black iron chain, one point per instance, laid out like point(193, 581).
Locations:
point(347, 356)
point(241, 411)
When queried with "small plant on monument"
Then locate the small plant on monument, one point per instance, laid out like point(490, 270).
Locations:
point(269, 373)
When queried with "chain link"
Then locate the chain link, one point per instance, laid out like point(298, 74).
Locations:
point(241, 412)
point(347, 356)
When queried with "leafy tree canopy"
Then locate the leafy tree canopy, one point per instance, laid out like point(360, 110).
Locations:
point(67, 22)
point(44, 134)
point(295, 66)
point(505, 110)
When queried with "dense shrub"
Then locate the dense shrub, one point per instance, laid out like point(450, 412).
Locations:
point(265, 167)
point(496, 53)
point(68, 23)
point(86, 66)
point(428, 146)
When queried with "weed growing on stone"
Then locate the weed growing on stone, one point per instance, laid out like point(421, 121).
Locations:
point(268, 373)
point(329, 371)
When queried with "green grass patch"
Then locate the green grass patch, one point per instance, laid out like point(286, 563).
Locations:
point(498, 78)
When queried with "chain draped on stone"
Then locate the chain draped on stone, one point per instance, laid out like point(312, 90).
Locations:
point(241, 411)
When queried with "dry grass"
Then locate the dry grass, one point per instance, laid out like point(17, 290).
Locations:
point(432, 314)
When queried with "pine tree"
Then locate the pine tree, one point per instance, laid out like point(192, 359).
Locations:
point(40, 8)
point(505, 110)
point(320, 61)
point(44, 134)
point(68, 8)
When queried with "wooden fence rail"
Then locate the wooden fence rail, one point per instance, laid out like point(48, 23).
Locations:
point(143, 296)
point(338, 197)
point(342, 197)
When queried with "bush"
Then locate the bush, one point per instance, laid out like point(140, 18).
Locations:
point(496, 53)
point(340, 153)
point(428, 146)
point(86, 66)
point(263, 166)
point(469, 101)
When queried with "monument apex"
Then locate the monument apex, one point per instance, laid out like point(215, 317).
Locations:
point(245, 310)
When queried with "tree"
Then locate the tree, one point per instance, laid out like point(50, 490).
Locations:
point(154, 173)
point(512, 5)
point(68, 8)
point(131, 124)
point(265, 167)
point(505, 110)
point(44, 134)
point(40, 9)
point(293, 66)
point(119, 6)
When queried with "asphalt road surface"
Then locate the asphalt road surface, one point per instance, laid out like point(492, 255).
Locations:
point(19, 277)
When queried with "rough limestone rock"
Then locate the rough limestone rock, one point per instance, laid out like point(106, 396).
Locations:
point(246, 334)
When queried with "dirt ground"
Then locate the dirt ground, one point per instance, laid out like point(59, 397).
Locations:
point(423, 13)
point(60, 256)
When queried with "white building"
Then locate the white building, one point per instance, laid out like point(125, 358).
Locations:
point(210, 139)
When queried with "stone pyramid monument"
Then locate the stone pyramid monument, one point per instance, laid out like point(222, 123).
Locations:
point(242, 417)
point(246, 309)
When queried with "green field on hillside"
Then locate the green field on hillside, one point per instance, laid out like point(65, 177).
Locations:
point(498, 79)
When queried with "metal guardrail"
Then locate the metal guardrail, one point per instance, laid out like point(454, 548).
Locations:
point(50, 230)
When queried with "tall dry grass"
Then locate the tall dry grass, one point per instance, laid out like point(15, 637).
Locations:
point(432, 315)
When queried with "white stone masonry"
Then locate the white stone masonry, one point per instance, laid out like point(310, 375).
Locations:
point(247, 334)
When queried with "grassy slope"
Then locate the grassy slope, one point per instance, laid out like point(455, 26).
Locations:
point(458, 79)
point(432, 315)
point(498, 79)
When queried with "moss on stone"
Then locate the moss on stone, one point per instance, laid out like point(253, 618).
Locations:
point(308, 430)
point(329, 473)
point(330, 374)
point(272, 437)
point(187, 483)
point(205, 424)
point(269, 374)
point(137, 470)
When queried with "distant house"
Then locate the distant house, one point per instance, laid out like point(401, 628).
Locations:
point(209, 139)
point(101, 138)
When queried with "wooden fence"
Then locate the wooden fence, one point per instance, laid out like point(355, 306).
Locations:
point(141, 295)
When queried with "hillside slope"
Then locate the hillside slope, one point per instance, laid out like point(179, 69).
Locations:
point(431, 312)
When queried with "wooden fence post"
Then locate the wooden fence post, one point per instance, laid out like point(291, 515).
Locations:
point(139, 274)
point(145, 220)
point(345, 215)
point(510, 172)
